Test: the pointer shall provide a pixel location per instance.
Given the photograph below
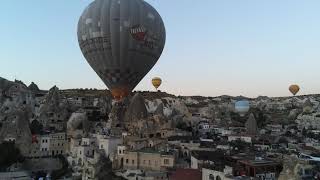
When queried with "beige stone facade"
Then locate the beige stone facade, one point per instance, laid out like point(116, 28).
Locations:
point(58, 144)
point(146, 160)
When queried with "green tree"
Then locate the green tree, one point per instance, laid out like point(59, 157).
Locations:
point(65, 170)
point(240, 145)
point(9, 155)
point(304, 132)
point(36, 127)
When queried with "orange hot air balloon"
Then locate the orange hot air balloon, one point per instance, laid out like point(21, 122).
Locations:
point(294, 89)
point(156, 82)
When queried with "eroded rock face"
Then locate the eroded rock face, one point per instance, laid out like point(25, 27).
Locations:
point(33, 87)
point(251, 125)
point(136, 110)
point(16, 126)
point(75, 120)
point(307, 107)
point(171, 106)
point(117, 115)
point(16, 110)
point(293, 114)
point(291, 167)
point(105, 103)
point(78, 121)
point(159, 110)
point(54, 112)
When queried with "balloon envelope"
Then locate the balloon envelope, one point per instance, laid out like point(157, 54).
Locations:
point(156, 82)
point(242, 107)
point(294, 89)
point(121, 40)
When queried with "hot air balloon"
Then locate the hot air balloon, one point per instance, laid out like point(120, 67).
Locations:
point(242, 107)
point(156, 82)
point(294, 89)
point(121, 40)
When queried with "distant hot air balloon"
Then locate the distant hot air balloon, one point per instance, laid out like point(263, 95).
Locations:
point(294, 89)
point(121, 40)
point(242, 107)
point(156, 82)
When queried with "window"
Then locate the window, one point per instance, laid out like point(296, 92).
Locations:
point(101, 146)
point(132, 161)
point(127, 161)
point(149, 162)
point(211, 177)
point(166, 161)
point(144, 161)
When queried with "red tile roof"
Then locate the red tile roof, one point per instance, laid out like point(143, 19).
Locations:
point(186, 174)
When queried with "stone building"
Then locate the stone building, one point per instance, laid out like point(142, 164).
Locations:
point(108, 145)
point(58, 144)
point(146, 159)
point(44, 141)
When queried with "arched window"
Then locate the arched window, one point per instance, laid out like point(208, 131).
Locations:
point(218, 178)
point(158, 135)
point(211, 177)
point(79, 162)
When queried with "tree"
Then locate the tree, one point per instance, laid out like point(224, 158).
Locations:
point(9, 155)
point(240, 145)
point(304, 132)
point(36, 127)
point(65, 170)
point(182, 125)
point(105, 170)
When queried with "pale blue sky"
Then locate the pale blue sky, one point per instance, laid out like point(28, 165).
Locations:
point(214, 47)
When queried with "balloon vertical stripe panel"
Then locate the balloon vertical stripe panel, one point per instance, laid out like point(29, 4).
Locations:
point(121, 40)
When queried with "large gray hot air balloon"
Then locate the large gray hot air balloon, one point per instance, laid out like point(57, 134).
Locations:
point(121, 40)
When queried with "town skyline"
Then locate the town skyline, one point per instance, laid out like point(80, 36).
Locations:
point(270, 49)
point(234, 95)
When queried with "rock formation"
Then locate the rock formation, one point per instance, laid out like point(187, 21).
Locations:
point(136, 110)
point(16, 109)
point(307, 107)
point(291, 168)
point(53, 112)
point(33, 87)
point(159, 110)
point(251, 125)
point(78, 120)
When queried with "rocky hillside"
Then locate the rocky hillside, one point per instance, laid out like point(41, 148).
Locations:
point(23, 106)
point(17, 106)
